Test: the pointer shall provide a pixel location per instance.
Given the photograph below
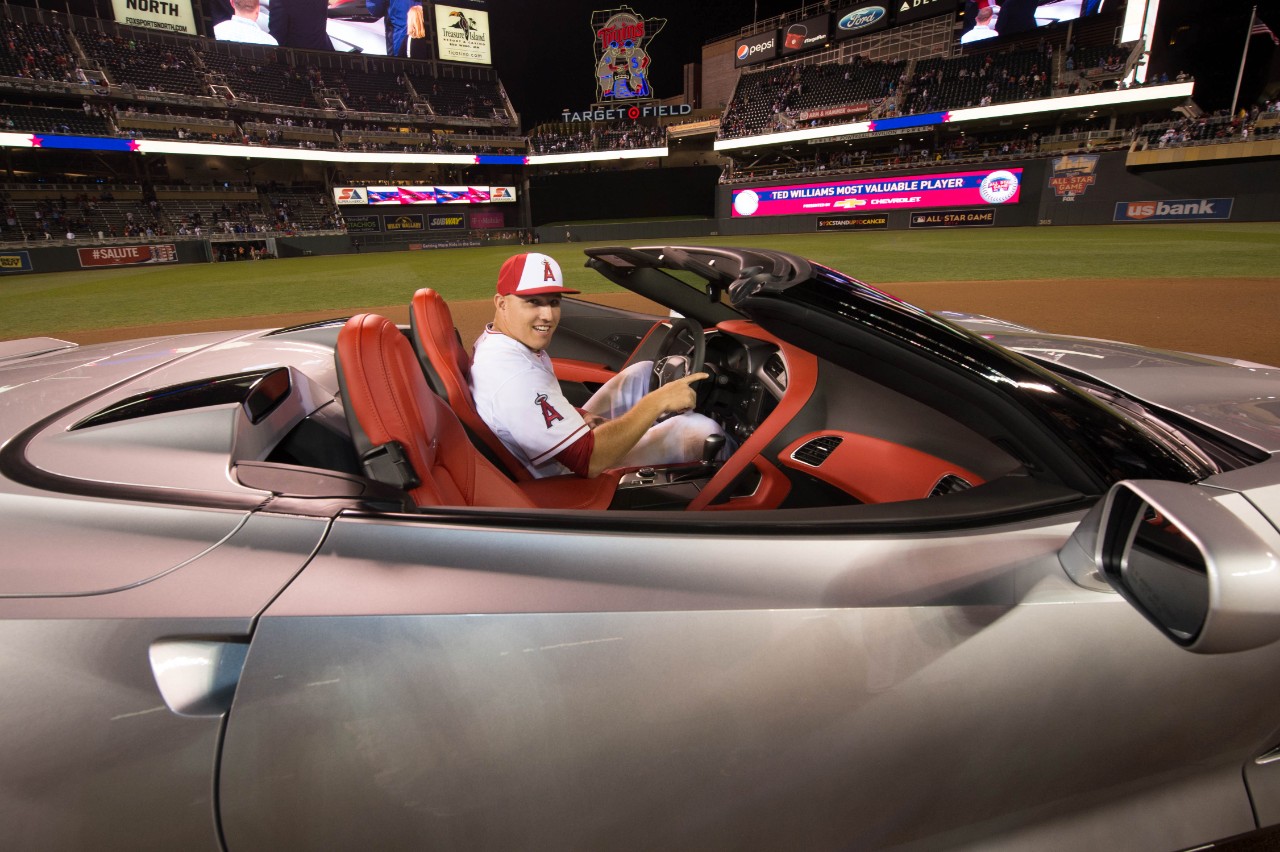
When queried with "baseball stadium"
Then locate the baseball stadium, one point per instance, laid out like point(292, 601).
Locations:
point(142, 152)
point(868, 440)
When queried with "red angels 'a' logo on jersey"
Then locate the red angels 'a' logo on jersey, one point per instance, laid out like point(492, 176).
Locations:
point(549, 412)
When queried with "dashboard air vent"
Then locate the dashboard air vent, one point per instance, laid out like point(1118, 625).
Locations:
point(950, 484)
point(776, 370)
point(815, 452)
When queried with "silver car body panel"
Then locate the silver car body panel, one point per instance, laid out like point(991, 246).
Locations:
point(827, 692)
point(190, 449)
point(1236, 397)
point(475, 680)
point(93, 756)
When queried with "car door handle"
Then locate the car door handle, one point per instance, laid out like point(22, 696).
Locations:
point(198, 677)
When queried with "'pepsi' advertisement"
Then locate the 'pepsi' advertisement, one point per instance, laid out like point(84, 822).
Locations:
point(952, 189)
point(758, 48)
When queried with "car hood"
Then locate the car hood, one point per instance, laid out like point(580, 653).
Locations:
point(1239, 398)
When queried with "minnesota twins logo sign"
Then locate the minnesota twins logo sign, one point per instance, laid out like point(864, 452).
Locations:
point(622, 58)
point(549, 412)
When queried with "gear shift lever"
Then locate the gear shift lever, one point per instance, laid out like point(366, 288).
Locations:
point(711, 448)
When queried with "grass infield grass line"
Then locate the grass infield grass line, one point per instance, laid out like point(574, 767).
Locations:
point(32, 305)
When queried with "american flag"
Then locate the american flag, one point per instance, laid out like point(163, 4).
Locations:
point(1260, 28)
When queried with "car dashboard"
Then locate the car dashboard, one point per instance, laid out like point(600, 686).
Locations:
point(747, 380)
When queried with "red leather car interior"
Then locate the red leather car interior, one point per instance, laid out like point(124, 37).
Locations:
point(387, 399)
point(439, 351)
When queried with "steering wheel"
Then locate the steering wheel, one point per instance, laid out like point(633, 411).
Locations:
point(673, 360)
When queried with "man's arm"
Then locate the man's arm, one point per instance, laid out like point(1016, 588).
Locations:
point(278, 22)
point(615, 438)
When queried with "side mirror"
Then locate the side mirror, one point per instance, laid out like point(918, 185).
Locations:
point(1200, 563)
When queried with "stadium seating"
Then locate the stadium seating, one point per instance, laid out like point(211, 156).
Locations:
point(54, 120)
point(35, 51)
point(144, 64)
point(576, 137)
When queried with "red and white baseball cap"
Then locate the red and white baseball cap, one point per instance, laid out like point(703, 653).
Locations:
point(531, 274)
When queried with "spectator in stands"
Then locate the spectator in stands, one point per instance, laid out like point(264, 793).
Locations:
point(300, 23)
point(243, 25)
point(403, 21)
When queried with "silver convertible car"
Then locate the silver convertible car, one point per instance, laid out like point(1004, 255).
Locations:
point(952, 583)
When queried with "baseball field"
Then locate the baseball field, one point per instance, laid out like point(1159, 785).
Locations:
point(1208, 288)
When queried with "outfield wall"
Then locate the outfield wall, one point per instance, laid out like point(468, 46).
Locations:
point(63, 256)
point(67, 257)
point(1249, 190)
point(1073, 189)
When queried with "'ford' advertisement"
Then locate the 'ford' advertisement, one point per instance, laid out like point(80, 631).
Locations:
point(953, 189)
point(861, 20)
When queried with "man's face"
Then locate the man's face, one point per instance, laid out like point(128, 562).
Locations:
point(529, 319)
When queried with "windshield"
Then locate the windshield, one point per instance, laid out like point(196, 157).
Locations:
point(1052, 426)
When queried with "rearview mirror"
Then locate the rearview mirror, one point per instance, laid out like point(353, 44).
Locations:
point(1200, 563)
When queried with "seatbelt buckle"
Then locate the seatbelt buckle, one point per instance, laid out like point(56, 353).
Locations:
point(390, 464)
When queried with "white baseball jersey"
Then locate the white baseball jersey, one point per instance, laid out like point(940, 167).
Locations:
point(517, 394)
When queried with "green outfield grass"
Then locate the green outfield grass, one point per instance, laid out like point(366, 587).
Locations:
point(71, 301)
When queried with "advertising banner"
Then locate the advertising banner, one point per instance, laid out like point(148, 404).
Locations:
point(447, 222)
point(830, 112)
point(1174, 211)
point(350, 195)
point(860, 20)
point(952, 189)
point(363, 224)
point(388, 195)
point(127, 255)
point(462, 195)
point(854, 223)
point(170, 15)
point(462, 35)
point(502, 194)
point(15, 261)
point(403, 222)
point(954, 218)
point(757, 48)
point(906, 11)
point(806, 34)
point(379, 195)
point(485, 219)
point(455, 242)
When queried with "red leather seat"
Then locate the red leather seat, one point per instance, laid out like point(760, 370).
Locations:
point(404, 434)
point(448, 370)
point(409, 437)
point(445, 361)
